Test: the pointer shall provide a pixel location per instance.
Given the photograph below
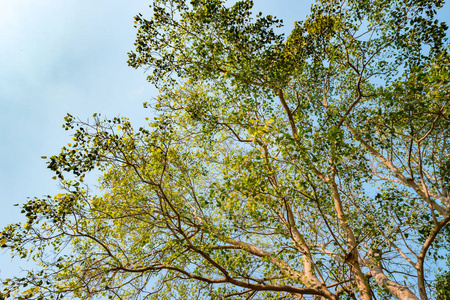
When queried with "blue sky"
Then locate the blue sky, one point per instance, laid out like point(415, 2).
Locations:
point(59, 57)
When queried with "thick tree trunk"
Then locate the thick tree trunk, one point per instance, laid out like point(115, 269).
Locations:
point(399, 291)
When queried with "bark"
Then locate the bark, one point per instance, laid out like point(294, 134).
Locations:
point(312, 284)
point(406, 181)
point(353, 255)
point(422, 255)
point(399, 291)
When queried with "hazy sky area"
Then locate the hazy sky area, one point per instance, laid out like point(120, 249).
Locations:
point(59, 57)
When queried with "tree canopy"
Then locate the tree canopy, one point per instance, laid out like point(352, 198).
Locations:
point(315, 165)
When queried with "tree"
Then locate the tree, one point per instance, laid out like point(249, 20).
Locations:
point(312, 166)
point(442, 286)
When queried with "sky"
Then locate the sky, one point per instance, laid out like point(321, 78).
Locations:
point(59, 57)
